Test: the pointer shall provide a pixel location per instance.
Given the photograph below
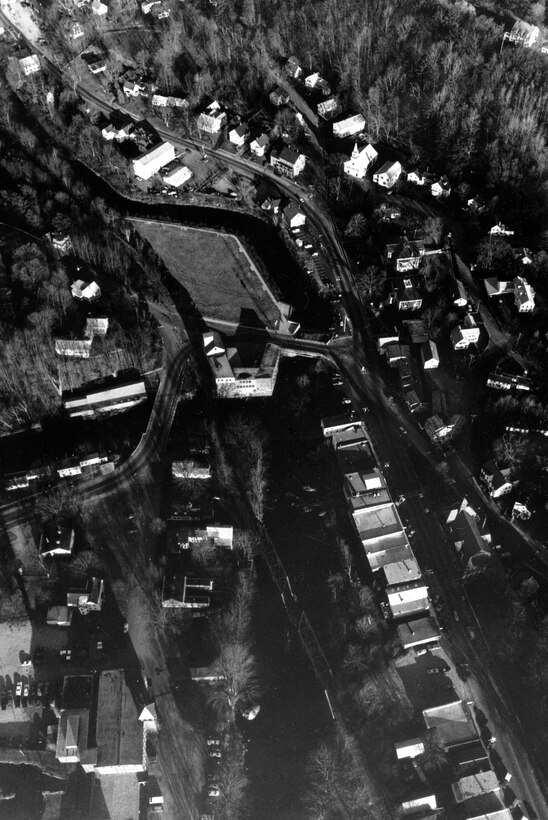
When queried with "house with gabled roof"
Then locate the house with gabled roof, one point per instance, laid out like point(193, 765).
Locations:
point(360, 161)
point(56, 540)
point(406, 295)
point(349, 126)
point(212, 119)
point(429, 355)
point(85, 290)
point(496, 480)
point(327, 109)
point(287, 162)
point(524, 295)
point(259, 145)
point(388, 174)
point(441, 188)
point(406, 254)
point(96, 326)
point(498, 287)
point(77, 348)
point(466, 333)
point(293, 68)
point(293, 216)
point(523, 34)
point(279, 96)
point(239, 135)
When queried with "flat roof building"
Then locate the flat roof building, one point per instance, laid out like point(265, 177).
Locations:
point(150, 162)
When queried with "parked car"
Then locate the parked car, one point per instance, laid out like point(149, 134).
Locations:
point(213, 791)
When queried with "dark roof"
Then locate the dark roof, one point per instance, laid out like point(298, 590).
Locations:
point(286, 154)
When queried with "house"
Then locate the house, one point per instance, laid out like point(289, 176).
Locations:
point(176, 174)
point(287, 162)
point(411, 399)
point(497, 287)
point(292, 68)
point(104, 399)
point(293, 216)
point(520, 510)
point(239, 135)
point(132, 89)
point(159, 101)
point(184, 592)
point(501, 814)
point(385, 339)
point(75, 30)
point(95, 61)
point(500, 380)
point(75, 732)
point(459, 294)
point(150, 162)
point(468, 535)
point(327, 109)
point(416, 177)
point(382, 535)
point(259, 145)
point(365, 488)
point(120, 128)
point(30, 64)
point(242, 372)
point(335, 424)
point(465, 334)
point(149, 718)
point(406, 254)
point(523, 255)
point(96, 326)
point(417, 633)
point(438, 430)
point(89, 599)
point(475, 785)
point(99, 8)
point(500, 230)
point(349, 126)
point(405, 589)
point(212, 119)
point(497, 481)
point(441, 188)
point(524, 295)
point(118, 732)
point(316, 81)
point(406, 295)
point(217, 535)
point(523, 34)
point(146, 7)
point(56, 540)
point(359, 161)
point(190, 468)
point(61, 242)
point(78, 348)
point(279, 96)
point(396, 352)
point(429, 355)
point(59, 616)
point(452, 722)
point(83, 290)
point(406, 749)
point(160, 12)
point(388, 174)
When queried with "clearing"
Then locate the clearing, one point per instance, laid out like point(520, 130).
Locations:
point(216, 272)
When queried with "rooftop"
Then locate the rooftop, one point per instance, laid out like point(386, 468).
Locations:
point(401, 572)
point(119, 733)
point(116, 797)
point(377, 522)
point(452, 721)
point(415, 633)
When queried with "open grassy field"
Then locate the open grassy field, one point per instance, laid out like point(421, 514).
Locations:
point(214, 271)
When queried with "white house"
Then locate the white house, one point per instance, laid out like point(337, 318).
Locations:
point(500, 230)
point(150, 163)
point(316, 81)
point(349, 126)
point(176, 174)
point(441, 188)
point(75, 348)
point(293, 216)
point(258, 146)
point(497, 287)
point(524, 295)
point(497, 481)
point(96, 326)
point(76, 30)
point(212, 119)
point(132, 89)
point(328, 108)
point(83, 290)
point(429, 355)
point(98, 8)
point(29, 64)
point(239, 135)
point(287, 162)
point(465, 334)
point(416, 178)
point(523, 34)
point(360, 161)
point(388, 174)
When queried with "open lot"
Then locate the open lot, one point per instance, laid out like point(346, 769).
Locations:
point(215, 271)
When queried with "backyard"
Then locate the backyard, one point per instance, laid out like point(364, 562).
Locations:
point(214, 270)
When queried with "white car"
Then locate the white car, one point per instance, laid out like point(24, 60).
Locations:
point(213, 791)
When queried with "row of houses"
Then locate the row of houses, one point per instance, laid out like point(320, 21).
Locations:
point(87, 466)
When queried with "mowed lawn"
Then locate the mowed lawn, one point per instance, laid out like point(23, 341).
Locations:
point(214, 271)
